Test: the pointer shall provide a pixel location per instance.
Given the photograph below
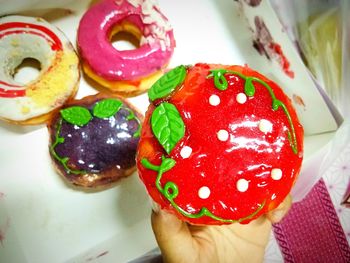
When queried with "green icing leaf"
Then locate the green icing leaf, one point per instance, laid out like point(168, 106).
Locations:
point(76, 115)
point(106, 108)
point(167, 83)
point(167, 125)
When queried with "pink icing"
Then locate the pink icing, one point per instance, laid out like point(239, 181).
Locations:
point(156, 45)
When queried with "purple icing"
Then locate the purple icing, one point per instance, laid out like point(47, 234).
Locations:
point(101, 144)
point(263, 37)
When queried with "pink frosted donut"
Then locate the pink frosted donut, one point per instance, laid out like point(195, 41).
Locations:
point(129, 72)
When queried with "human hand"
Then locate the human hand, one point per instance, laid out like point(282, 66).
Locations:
point(182, 242)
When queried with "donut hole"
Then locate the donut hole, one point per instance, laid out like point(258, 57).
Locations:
point(27, 71)
point(125, 41)
point(125, 36)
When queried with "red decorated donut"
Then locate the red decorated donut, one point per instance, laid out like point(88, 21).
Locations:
point(219, 144)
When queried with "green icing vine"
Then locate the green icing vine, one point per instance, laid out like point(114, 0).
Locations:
point(170, 191)
point(220, 83)
point(132, 116)
point(219, 79)
point(62, 160)
point(138, 132)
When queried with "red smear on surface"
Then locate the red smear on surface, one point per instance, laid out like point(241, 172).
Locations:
point(102, 254)
point(98, 256)
point(298, 100)
point(3, 230)
point(284, 61)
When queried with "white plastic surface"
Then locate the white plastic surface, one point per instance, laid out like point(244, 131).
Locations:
point(44, 220)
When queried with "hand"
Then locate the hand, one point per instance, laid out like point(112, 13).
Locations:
point(181, 242)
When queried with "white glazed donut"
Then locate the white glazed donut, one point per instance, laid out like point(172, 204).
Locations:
point(28, 37)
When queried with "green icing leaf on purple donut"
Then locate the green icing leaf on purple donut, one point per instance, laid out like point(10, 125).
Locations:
point(76, 115)
point(106, 108)
point(167, 83)
point(167, 125)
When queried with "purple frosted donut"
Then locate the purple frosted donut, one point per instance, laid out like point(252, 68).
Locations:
point(93, 141)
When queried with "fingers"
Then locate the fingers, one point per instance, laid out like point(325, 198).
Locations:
point(277, 214)
point(172, 235)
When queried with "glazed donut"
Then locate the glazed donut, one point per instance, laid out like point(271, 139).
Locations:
point(93, 140)
point(28, 37)
point(219, 144)
point(127, 72)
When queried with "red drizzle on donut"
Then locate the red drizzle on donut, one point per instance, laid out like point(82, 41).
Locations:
point(56, 44)
point(13, 93)
point(11, 90)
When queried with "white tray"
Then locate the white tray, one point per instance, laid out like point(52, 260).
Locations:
point(44, 220)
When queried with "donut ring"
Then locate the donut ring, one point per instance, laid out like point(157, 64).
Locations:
point(28, 37)
point(93, 140)
point(220, 144)
point(128, 72)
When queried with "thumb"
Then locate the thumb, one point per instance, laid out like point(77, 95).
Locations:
point(277, 214)
point(173, 236)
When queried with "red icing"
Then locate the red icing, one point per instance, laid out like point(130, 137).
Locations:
point(12, 93)
point(249, 153)
point(53, 45)
point(56, 44)
point(284, 61)
point(25, 28)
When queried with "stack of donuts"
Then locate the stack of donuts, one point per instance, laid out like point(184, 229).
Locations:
point(219, 144)
point(92, 140)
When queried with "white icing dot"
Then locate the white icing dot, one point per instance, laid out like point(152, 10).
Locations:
point(276, 174)
point(186, 152)
point(214, 100)
point(223, 135)
point(242, 185)
point(265, 126)
point(204, 192)
point(273, 197)
point(241, 98)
